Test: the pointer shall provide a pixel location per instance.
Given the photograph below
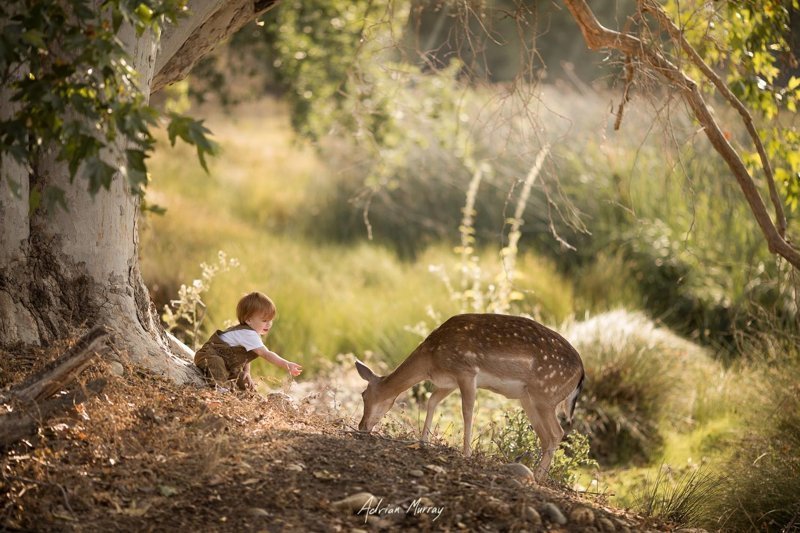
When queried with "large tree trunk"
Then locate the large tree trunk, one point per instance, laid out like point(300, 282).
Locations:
point(67, 269)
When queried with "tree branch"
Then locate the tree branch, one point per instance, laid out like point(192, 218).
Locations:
point(597, 36)
point(209, 23)
point(30, 397)
point(747, 118)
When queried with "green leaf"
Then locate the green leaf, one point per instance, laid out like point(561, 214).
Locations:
point(35, 38)
point(99, 174)
point(192, 132)
point(47, 198)
point(34, 200)
point(137, 170)
point(144, 13)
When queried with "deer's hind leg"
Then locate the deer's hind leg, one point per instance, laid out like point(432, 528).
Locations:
point(548, 429)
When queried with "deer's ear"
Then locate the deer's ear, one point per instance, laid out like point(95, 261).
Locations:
point(365, 372)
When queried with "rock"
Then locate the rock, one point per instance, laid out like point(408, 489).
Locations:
point(425, 502)
point(606, 525)
point(551, 512)
point(258, 512)
point(582, 516)
point(416, 473)
point(519, 472)
point(435, 469)
point(532, 516)
point(116, 368)
point(498, 507)
point(355, 502)
point(295, 467)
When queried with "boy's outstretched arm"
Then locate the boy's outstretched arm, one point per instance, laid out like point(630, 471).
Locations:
point(293, 368)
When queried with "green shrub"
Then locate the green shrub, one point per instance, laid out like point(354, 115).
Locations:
point(515, 441)
point(637, 377)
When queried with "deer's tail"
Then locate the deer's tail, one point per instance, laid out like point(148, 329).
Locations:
point(572, 399)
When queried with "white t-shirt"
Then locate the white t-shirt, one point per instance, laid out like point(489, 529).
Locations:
point(243, 337)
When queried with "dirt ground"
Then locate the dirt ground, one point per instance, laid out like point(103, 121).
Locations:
point(149, 455)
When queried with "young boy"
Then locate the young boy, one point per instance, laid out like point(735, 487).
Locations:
point(226, 356)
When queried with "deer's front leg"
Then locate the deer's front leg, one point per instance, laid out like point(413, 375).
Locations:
point(468, 387)
point(436, 397)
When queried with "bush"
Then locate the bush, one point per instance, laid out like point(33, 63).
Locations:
point(637, 376)
point(515, 441)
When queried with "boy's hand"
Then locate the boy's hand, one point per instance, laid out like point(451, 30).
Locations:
point(293, 368)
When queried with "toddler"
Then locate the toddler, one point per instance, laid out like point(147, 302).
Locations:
point(226, 356)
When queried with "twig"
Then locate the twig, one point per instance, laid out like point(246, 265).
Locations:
point(379, 436)
point(45, 483)
point(625, 96)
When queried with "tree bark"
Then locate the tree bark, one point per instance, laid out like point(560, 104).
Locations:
point(62, 269)
point(597, 37)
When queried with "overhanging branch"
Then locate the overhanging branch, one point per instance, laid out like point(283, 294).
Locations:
point(598, 37)
point(209, 22)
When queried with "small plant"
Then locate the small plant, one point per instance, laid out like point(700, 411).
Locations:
point(479, 291)
point(516, 442)
point(678, 497)
point(184, 317)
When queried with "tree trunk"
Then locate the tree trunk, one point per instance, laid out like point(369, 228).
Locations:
point(62, 270)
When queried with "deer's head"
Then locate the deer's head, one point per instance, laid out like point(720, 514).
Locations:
point(377, 401)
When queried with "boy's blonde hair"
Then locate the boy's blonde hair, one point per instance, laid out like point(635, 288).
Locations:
point(253, 303)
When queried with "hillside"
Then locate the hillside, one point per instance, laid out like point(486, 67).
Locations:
point(147, 454)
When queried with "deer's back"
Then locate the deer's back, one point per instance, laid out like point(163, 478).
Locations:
point(503, 349)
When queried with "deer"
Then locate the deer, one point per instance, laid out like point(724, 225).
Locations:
point(509, 355)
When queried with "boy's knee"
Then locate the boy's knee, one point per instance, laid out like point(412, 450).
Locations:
point(215, 367)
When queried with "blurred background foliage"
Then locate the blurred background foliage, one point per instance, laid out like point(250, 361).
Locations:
point(373, 156)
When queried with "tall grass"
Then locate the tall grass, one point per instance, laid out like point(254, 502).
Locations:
point(682, 498)
point(761, 488)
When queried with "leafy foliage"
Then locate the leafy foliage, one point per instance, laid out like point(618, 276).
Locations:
point(322, 49)
point(516, 441)
point(71, 86)
point(748, 42)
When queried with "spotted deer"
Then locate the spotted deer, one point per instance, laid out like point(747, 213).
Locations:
point(510, 355)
